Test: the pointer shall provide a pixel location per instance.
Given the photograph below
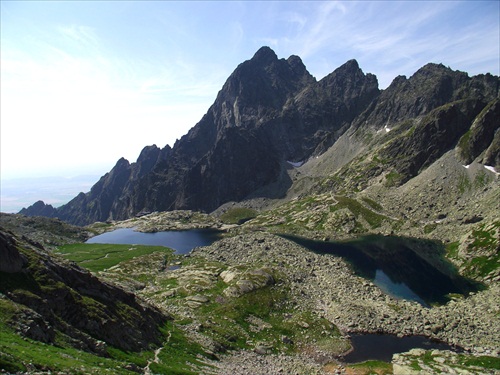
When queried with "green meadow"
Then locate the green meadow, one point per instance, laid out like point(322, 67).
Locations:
point(100, 257)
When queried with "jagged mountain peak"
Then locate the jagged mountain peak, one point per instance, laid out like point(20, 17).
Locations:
point(296, 63)
point(433, 68)
point(264, 55)
point(265, 79)
point(272, 110)
point(349, 65)
point(347, 77)
point(122, 162)
point(147, 150)
point(39, 208)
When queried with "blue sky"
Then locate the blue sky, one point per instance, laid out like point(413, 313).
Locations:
point(85, 83)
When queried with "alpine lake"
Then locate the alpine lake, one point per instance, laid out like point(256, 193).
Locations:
point(405, 268)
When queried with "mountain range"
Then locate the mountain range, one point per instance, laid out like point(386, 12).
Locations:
point(279, 157)
point(272, 116)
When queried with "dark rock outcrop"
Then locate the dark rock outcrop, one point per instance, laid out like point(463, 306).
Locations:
point(11, 260)
point(438, 132)
point(483, 137)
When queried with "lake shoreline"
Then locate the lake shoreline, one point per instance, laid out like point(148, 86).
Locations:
point(352, 303)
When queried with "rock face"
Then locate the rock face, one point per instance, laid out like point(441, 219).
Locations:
point(483, 137)
point(11, 260)
point(272, 111)
point(438, 132)
point(51, 296)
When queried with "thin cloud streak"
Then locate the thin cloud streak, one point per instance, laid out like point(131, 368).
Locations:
point(386, 38)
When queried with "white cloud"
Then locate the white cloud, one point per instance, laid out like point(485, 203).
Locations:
point(84, 36)
point(237, 34)
point(69, 110)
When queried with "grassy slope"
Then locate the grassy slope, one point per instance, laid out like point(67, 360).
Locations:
point(180, 355)
point(99, 257)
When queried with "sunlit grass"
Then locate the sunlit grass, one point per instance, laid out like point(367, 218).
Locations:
point(99, 257)
point(180, 355)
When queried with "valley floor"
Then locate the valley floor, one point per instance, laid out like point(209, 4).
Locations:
point(308, 290)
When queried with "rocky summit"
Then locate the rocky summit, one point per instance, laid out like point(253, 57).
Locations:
point(279, 155)
point(271, 112)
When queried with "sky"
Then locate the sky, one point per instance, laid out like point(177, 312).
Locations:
point(86, 83)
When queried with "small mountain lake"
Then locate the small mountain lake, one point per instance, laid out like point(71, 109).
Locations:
point(182, 241)
point(367, 347)
point(405, 268)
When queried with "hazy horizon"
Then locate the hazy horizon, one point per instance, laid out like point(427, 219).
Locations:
point(18, 193)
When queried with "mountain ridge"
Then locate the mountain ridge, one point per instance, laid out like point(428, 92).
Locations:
point(271, 111)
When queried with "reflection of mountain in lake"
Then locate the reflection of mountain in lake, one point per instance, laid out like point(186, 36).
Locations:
point(388, 286)
point(404, 268)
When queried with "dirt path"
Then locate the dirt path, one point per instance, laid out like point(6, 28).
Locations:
point(156, 359)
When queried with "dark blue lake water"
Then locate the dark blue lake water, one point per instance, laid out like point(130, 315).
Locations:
point(381, 347)
point(404, 268)
point(182, 241)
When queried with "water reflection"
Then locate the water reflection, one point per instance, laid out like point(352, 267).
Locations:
point(390, 287)
point(382, 347)
point(405, 268)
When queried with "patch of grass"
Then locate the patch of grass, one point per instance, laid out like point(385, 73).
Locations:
point(98, 227)
point(393, 179)
point(485, 251)
point(482, 265)
point(188, 356)
point(373, 218)
point(372, 367)
point(372, 203)
point(232, 328)
point(464, 184)
point(99, 257)
point(411, 131)
point(429, 228)
point(238, 215)
point(485, 362)
point(452, 249)
point(463, 145)
point(481, 180)
point(486, 237)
